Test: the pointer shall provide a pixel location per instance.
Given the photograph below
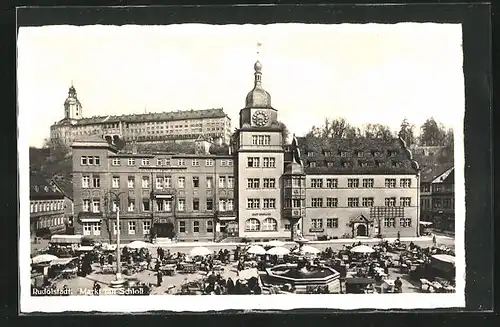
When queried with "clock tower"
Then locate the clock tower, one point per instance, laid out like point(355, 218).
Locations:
point(260, 165)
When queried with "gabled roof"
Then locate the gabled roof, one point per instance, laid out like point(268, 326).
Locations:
point(445, 177)
point(355, 156)
point(42, 189)
point(431, 171)
point(65, 186)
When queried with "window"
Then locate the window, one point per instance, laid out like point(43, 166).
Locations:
point(196, 226)
point(230, 204)
point(352, 182)
point(253, 183)
point(96, 228)
point(182, 205)
point(389, 222)
point(83, 161)
point(96, 205)
point(131, 162)
point(425, 188)
point(316, 183)
point(269, 182)
point(390, 202)
point(269, 203)
point(146, 227)
point(312, 164)
point(196, 181)
point(86, 205)
point(167, 182)
point(332, 223)
point(367, 202)
point(223, 163)
point(167, 162)
point(230, 182)
point(331, 183)
point(131, 205)
point(229, 163)
point(447, 203)
point(210, 204)
point(222, 181)
point(253, 203)
point(158, 162)
point(332, 202)
point(391, 153)
point(115, 182)
point(210, 182)
point(159, 182)
point(131, 182)
point(90, 160)
point(405, 201)
point(196, 204)
point(210, 226)
point(85, 181)
point(145, 181)
point(145, 162)
point(182, 226)
point(131, 227)
point(269, 224)
point(310, 154)
point(353, 202)
point(316, 202)
point(168, 205)
point(181, 182)
point(115, 228)
point(359, 154)
point(297, 203)
point(390, 182)
point(405, 182)
point(145, 205)
point(116, 205)
point(252, 225)
point(181, 162)
point(253, 162)
point(115, 162)
point(343, 154)
point(405, 222)
point(160, 205)
point(269, 162)
point(195, 163)
point(368, 182)
point(87, 228)
point(317, 223)
point(209, 162)
point(327, 153)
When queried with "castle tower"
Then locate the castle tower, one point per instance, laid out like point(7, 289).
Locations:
point(72, 106)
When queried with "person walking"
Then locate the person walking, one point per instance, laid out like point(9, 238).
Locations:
point(434, 240)
point(398, 285)
point(159, 278)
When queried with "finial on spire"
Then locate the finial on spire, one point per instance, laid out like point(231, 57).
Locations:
point(258, 48)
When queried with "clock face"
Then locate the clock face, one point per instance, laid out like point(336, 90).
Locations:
point(260, 118)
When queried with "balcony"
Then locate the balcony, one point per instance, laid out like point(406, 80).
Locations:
point(316, 230)
point(292, 213)
point(294, 192)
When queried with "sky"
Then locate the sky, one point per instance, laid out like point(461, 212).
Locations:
point(366, 73)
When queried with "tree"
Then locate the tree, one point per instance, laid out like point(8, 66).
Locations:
point(407, 132)
point(58, 150)
point(219, 149)
point(377, 131)
point(284, 131)
point(432, 133)
point(336, 128)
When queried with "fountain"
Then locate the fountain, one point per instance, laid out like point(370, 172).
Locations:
point(304, 275)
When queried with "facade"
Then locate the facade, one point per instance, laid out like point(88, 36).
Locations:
point(262, 189)
point(163, 195)
point(443, 201)
point(47, 207)
point(148, 127)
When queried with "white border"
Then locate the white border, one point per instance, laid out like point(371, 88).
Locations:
point(235, 302)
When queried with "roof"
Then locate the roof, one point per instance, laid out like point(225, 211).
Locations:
point(92, 141)
point(445, 177)
point(66, 187)
point(159, 116)
point(431, 171)
point(355, 156)
point(41, 188)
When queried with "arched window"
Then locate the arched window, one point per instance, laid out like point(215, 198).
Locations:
point(270, 224)
point(252, 225)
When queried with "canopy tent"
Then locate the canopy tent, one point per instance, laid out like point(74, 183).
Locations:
point(278, 251)
point(362, 249)
point(444, 258)
point(108, 247)
point(425, 223)
point(248, 273)
point(66, 239)
point(256, 249)
point(199, 251)
point(307, 249)
point(274, 243)
point(43, 258)
point(61, 261)
point(85, 248)
point(138, 245)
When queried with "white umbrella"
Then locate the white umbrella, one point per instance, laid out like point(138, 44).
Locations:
point(362, 249)
point(278, 251)
point(138, 245)
point(274, 243)
point(42, 258)
point(256, 249)
point(199, 251)
point(309, 249)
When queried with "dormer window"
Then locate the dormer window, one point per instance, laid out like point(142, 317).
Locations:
point(310, 154)
point(376, 153)
point(312, 164)
point(327, 153)
point(329, 163)
point(363, 163)
point(391, 153)
point(379, 163)
point(346, 164)
point(359, 154)
point(396, 164)
point(343, 154)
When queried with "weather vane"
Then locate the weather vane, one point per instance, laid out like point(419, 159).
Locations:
point(258, 47)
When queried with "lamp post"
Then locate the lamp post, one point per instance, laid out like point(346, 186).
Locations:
point(118, 231)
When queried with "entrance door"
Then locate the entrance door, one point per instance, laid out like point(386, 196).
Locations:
point(165, 230)
point(361, 230)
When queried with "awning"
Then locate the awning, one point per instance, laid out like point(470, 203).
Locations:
point(425, 223)
point(61, 261)
point(227, 218)
point(91, 220)
point(163, 196)
point(85, 248)
point(65, 239)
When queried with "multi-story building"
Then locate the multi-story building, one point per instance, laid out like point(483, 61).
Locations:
point(182, 196)
point(149, 127)
point(443, 200)
point(47, 207)
point(262, 189)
